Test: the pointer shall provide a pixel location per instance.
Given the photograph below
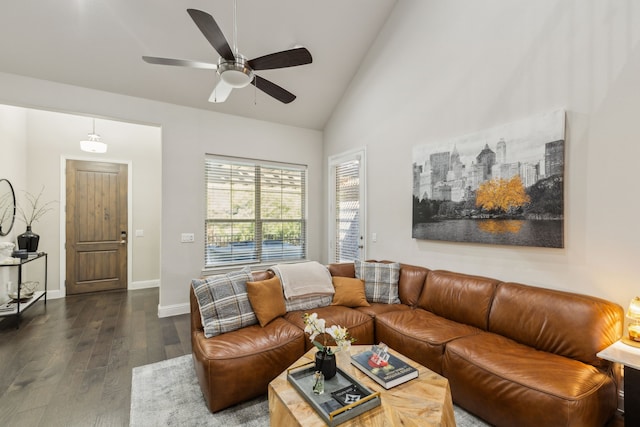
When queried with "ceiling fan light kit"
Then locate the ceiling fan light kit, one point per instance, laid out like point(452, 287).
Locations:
point(234, 69)
point(236, 74)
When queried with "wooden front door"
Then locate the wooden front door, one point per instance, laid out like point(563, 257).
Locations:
point(96, 218)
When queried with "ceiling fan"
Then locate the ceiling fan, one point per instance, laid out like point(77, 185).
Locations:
point(234, 70)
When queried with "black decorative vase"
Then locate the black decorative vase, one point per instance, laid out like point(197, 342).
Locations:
point(326, 363)
point(28, 240)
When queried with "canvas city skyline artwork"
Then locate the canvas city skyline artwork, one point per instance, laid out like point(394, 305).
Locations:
point(503, 185)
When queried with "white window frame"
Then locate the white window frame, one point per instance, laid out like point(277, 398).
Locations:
point(266, 164)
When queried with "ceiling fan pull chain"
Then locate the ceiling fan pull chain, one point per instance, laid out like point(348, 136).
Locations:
point(235, 26)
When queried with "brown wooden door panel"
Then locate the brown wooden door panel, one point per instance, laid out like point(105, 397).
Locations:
point(96, 221)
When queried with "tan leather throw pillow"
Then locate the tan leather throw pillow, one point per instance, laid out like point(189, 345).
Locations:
point(349, 292)
point(267, 299)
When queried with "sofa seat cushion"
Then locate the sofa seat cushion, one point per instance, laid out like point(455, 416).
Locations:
point(420, 335)
point(377, 308)
point(239, 365)
point(359, 325)
point(508, 383)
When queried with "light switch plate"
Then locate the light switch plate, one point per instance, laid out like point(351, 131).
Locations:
point(187, 238)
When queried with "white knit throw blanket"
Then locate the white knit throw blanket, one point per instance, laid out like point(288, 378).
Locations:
point(304, 279)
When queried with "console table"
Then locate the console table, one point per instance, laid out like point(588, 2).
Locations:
point(628, 356)
point(19, 306)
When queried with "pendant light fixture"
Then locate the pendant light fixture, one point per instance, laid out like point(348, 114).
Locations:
point(93, 144)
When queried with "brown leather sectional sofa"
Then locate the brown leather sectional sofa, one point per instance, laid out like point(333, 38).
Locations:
point(513, 354)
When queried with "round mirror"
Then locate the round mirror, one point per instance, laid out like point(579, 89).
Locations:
point(7, 207)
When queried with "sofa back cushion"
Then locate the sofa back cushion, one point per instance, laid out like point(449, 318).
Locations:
point(459, 297)
point(564, 323)
point(342, 269)
point(411, 282)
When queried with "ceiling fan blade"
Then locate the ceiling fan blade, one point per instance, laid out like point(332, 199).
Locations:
point(273, 89)
point(212, 32)
point(179, 62)
point(286, 58)
point(220, 92)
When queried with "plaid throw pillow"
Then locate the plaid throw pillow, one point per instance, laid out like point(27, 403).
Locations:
point(380, 281)
point(224, 304)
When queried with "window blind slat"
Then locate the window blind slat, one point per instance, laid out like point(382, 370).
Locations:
point(255, 212)
point(347, 212)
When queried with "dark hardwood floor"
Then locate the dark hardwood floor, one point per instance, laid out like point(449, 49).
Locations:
point(70, 363)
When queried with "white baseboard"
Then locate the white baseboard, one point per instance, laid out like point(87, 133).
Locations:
point(173, 310)
point(144, 284)
point(55, 294)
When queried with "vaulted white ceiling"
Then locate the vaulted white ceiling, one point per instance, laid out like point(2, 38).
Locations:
point(98, 44)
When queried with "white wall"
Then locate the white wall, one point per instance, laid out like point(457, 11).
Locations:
point(53, 135)
point(441, 69)
point(13, 149)
point(187, 134)
point(47, 140)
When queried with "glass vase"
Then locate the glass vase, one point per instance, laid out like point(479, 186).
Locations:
point(318, 383)
point(28, 240)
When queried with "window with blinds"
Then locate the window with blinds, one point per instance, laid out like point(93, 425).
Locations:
point(347, 213)
point(255, 212)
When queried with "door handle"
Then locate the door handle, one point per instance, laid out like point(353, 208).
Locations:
point(123, 237)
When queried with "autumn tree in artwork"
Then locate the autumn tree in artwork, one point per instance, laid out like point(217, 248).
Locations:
point(502, 196)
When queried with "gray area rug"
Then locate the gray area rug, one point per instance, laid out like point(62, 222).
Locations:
point(167, 394)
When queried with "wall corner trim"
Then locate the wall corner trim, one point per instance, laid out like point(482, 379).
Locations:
point(173, 310)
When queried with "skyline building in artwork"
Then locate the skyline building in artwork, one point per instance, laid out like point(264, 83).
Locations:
point(554, 158)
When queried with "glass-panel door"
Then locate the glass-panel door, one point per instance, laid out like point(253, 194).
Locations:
point(346, 207)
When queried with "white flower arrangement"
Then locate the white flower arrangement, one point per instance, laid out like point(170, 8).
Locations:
point(315, 327)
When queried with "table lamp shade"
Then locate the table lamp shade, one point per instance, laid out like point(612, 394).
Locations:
point(633, 313)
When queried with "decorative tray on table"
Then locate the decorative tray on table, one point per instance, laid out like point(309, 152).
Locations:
point(344, 397)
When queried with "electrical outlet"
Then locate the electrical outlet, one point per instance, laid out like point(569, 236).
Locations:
point(188, 238)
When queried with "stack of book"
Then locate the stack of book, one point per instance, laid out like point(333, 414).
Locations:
point(388, 373)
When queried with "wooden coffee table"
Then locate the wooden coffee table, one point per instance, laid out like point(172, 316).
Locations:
point(424, 401)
